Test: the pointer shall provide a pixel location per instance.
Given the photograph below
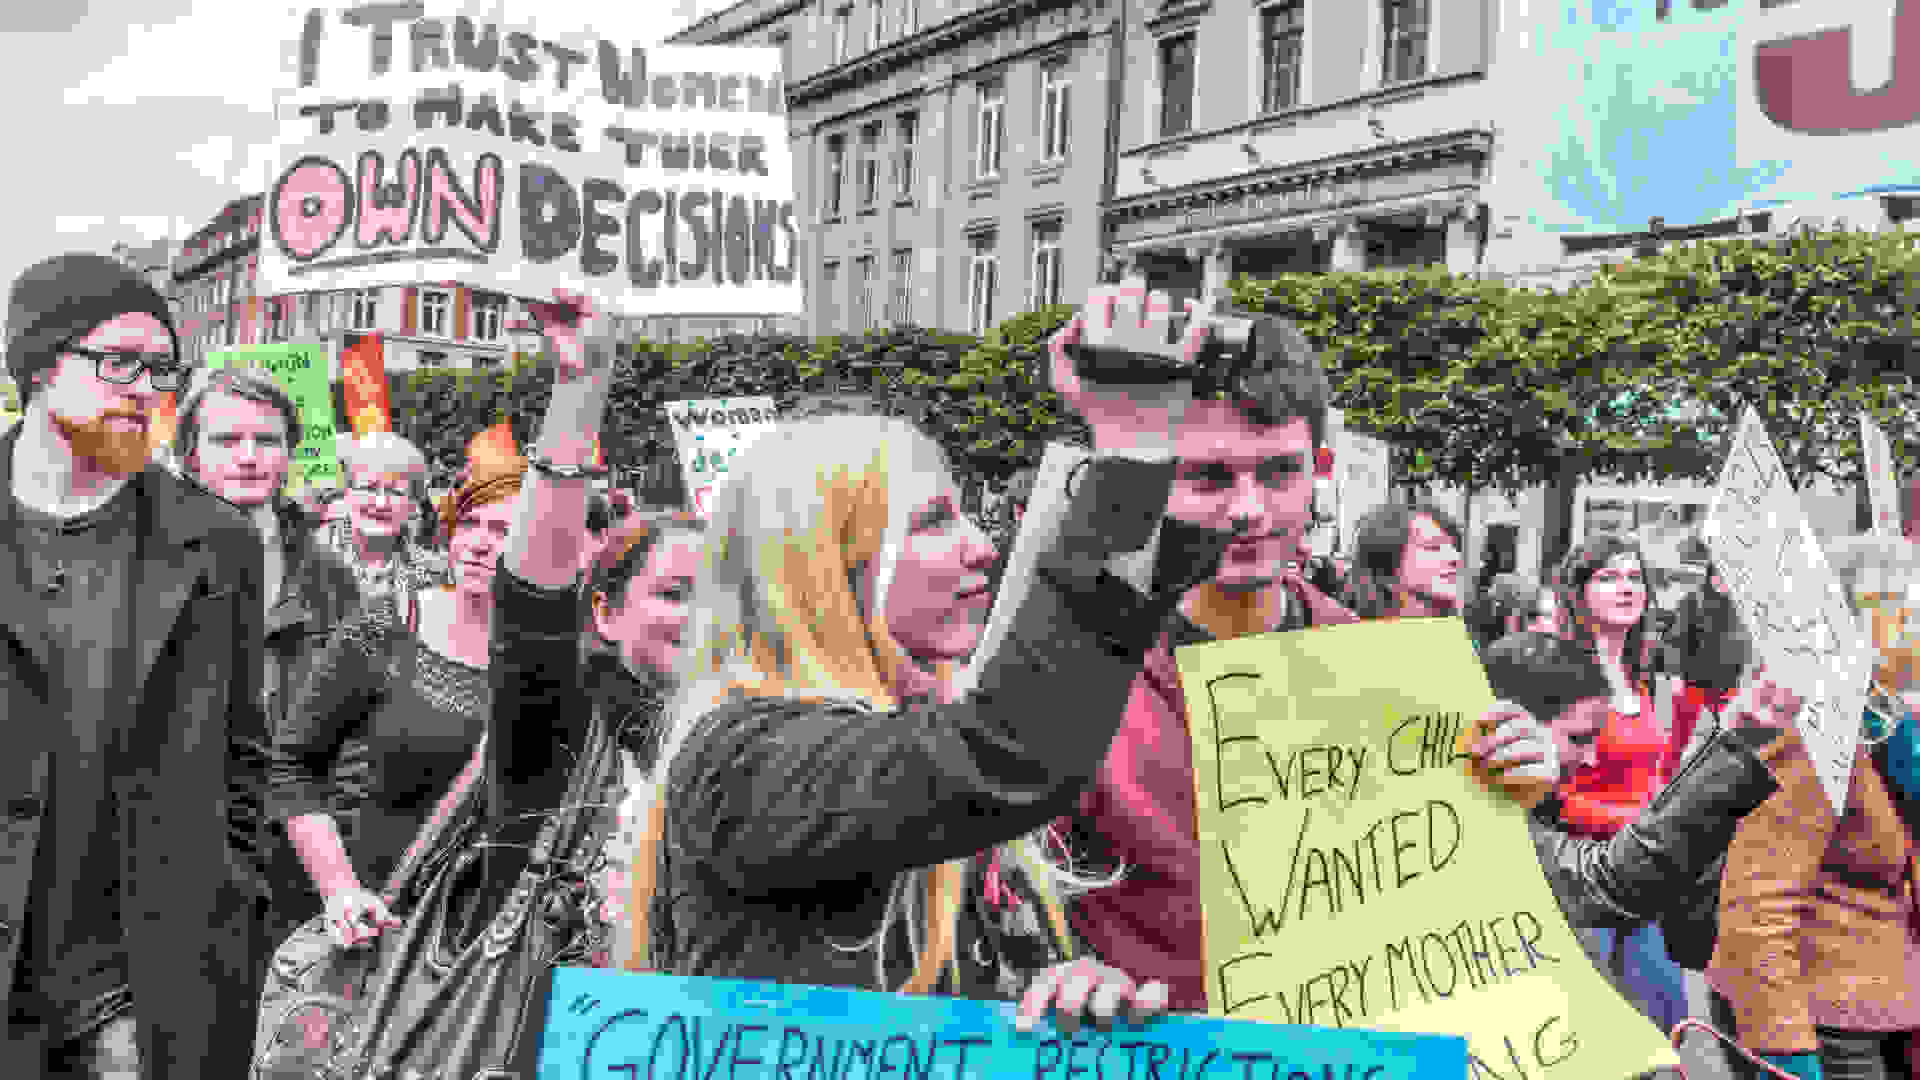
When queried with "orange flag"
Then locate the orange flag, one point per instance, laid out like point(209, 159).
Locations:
point(363, 384)
point(493, 450)
point(164, 422)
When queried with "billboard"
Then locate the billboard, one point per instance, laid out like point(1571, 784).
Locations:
point(1694, 112)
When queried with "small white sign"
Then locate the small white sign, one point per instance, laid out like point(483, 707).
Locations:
point(1791, 601)
point(708, 433)
point(1881, 490)
point(1363, 479)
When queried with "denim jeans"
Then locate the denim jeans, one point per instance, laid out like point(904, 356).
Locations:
point(1640, 965)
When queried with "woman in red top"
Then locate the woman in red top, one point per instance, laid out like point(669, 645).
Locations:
point(1603, 591)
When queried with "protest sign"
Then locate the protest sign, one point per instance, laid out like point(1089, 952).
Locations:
point(1791, 601)
point(301, 370)
point(708, 433)
point(1353, 874)
point(1878, 464)
point(445, 139)
point(612, 1023)
point(1783, 579)
point(1363, 471)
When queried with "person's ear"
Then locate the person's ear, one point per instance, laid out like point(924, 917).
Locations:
point(603, 614)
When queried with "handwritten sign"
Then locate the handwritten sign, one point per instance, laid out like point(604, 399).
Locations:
point(301, 370)
point(1882, 494)
point(1791, 601)
point(612, 1023)
point(1363, 478)
point(442, 140)
point(709, 432)
point(1354, 875)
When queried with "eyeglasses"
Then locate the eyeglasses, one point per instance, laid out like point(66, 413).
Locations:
point(375, 491)
point(123, 366)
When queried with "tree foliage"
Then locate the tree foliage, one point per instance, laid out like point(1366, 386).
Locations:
point(1477, 384)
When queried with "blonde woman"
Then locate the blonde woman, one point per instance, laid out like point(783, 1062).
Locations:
point(828, 807)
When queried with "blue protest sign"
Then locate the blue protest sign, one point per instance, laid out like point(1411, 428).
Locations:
point(602, 1023)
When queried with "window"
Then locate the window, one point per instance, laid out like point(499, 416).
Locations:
point(909, 16)
point(1055, 105)
point(1176, 85)
point(486, 361)
point(1405, 51)
point(900, 300)
point(276, 329)
point(488, 311)
point(1044, 285)
point(830, 289)
point(1282, 32)
point(866, 169)
point(982, 267)
point(431, 360)
point(907, 132)
point(434, 305)
point(877, 22)
point(836, 175)
point(366, 308)
point(842, 32)
point(989, 129)
point(863, 293)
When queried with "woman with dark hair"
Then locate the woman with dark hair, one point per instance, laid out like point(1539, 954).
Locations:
point(1603, 591)
point(1406, 563)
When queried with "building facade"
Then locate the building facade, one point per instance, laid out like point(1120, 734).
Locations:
point(1270, 136)
point(950, 155)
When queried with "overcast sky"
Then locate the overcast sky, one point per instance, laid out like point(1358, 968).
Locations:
point(134, 116)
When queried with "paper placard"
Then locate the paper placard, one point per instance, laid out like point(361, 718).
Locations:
point(1354, 875)
point(603, 1023)
point(1791, 601)
point(526, 155)
point(1882, 492)
point(708, 433)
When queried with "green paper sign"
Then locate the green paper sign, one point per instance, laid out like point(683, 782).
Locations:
point(302, 371)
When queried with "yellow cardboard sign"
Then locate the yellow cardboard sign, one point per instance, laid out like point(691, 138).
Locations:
point(1354, 875)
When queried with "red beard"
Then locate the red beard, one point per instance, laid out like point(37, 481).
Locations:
point(117, 452)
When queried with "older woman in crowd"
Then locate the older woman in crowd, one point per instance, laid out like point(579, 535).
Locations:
point(386, 479)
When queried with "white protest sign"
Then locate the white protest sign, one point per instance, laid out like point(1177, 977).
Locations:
point(1791, 600)
point(1879, 468)
point(1363, 471)
point(470, 144)
point(709, 432)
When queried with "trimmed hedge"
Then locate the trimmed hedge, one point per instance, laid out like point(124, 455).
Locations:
point(1478, 384)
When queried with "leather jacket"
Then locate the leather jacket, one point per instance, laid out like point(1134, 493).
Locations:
point(1665, 866)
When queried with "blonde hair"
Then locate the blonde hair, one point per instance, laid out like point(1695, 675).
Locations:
point(779, 611)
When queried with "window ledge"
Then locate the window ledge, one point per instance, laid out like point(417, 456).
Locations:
point(984, 186)
point(1048, 170)
point(903, 200)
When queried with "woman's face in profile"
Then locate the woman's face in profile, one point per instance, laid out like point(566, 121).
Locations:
point(937, 603)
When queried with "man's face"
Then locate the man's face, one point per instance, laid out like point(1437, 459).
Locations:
point(241, 452)
point(1430, 566)
point(106, 423)
point(1255, 482)
point(1576, 731)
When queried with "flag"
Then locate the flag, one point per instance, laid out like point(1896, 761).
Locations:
point(493, 450)
point(363, 386)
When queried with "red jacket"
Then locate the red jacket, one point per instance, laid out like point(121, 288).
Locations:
point(1140, 812)
point(1634, 759)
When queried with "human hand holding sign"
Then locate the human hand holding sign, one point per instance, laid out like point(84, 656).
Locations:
point(1510, 751)
point(1761, 702)
point(1135, 415)
point(1088, 988)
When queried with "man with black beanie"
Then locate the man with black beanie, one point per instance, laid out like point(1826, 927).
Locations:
point(131, 891)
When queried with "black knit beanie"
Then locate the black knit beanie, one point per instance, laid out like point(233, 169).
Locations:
point(64, 299)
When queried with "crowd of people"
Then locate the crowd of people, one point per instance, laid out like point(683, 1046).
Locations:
point(253, 736)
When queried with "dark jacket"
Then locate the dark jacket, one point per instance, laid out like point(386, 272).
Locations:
point(194, 895)
point(1665, 866)
point(318, 592)
point(789, 821)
